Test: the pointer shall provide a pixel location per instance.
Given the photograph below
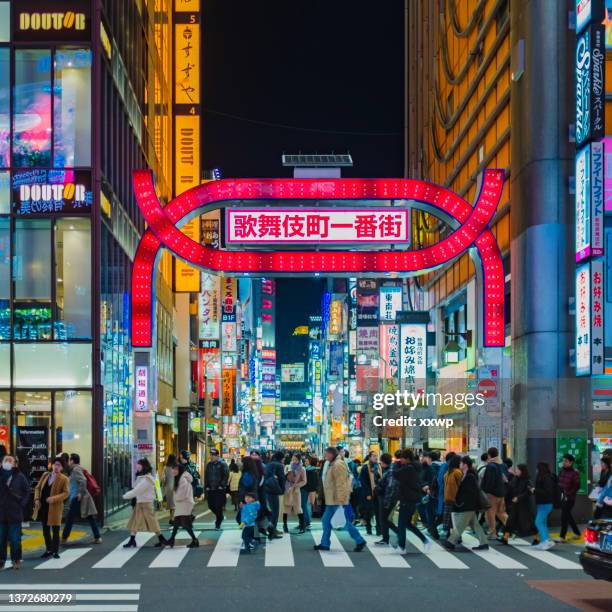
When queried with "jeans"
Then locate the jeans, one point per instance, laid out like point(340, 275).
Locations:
point(327, 528)
point(543, 510)
point(51, 541)
point(305, 505)
point(74, 512)
point(248, 537)
point(216, 503)
point(406, 510)
point(10, 532)
point(567, 519)
point(274, 506)
point(384, 520)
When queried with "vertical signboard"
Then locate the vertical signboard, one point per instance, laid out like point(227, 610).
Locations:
point(589, 10)
point(335, 318)
point(209, 307)
point(389, 351)
point(413, 354)
point(590, 318)
point(142, 389)
point(228, 390)
point(590, 84)
point(268, 307)
point(390, 302)
point(597, 198)
point(597, 317)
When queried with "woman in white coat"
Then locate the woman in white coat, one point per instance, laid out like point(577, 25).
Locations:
point(143, 517)
point(183, 505)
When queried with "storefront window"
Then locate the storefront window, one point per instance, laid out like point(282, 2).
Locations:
point(32, 109)
point(73, 278)
point(5, 21)
point(32, 272)
point(5, 279)
point(5, 420)
point(5, 185)
point(32, 432)
point(72, 108)
point(5, 364)
point(5, 103)
point(73, 424)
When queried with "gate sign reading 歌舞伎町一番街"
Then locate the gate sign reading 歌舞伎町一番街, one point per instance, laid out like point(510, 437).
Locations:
point(469, 224)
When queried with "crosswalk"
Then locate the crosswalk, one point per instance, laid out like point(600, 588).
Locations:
point(224, 551)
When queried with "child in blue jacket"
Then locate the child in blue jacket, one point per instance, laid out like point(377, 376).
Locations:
point(248, 515)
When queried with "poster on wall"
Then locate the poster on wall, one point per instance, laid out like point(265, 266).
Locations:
point(33, 451)
point(574, 442)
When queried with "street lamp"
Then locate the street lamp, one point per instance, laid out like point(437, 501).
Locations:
point(452, 349)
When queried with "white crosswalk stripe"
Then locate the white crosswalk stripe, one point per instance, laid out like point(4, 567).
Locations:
point(171, 557)
point(336, 556)
point(279, 553)
point(440, 557)
point(387, 556)
point(227, 550)
point(120, 556)
point(66, 558)
point(492, 556)
point(556, 561)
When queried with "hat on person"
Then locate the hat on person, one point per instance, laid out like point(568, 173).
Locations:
point(214, 451)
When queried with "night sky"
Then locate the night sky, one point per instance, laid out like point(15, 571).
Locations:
point(332, 68)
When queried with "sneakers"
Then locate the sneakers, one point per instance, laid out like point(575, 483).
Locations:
point(320, 547)
point(96, 541)
point(492, 536)
point(546, 545)
point(54, 555)
point(382, 543)
point(481, 547)
point(401, 551)
point(359, 547)
point(427, 546)
point(560, 540)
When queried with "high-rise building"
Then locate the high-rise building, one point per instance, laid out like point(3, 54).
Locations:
point(85, 99)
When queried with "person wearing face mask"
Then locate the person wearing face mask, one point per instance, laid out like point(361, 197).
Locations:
point(143, 517)
point(15, 494)
point(51, 492)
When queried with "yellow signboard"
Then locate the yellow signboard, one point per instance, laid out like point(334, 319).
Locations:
point(187, 63)
point(186, 278)
point(187, 152)
point(187, 6)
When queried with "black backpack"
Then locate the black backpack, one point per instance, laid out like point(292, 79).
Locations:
point(312, 480)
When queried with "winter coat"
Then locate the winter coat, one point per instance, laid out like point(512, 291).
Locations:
point(168, 487)
point(428, 473)
point(60, 492)
point(452, 482)
point(183, 496)
point(493, 481)
point(467, 499)
point(569, 481)
point(247, 484)
point(216, 475)
point(14, 495)
point(391, 487)
point(275, 469)
point(545, 490)
point(312, 478)
point(521, 512)
point(369, 477)
point(292, 501)
point(232, 481)
point(409, 485)
point(144, 489)
point(337, 483)
point(78, 486)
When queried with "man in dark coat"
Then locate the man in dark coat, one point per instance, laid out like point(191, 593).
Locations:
point(569, 482)
point(274, 484)
point(215, 481)
point(15, 493)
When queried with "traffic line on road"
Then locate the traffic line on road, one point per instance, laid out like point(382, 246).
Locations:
point(67, 557)
point(171, 557)
point(440, 557)
point(227, 550)
point(279, 552)
point(386, 556)
point(336, 556)
point(118, 557)
point(67, 588)
point(71, 608)
point(492, 556)
point(545, 556)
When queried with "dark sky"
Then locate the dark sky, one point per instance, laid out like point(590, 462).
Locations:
point(327, 66)
point(331, 65)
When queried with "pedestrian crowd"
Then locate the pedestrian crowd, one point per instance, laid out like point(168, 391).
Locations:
point(385, 494)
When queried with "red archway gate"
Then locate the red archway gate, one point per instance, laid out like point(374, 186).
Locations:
point(471, 225)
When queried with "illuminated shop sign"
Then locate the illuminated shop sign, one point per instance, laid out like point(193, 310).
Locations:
point(313, 226)
point(335, 317)
point(142, 389)
point(587, 11)
point(389, 351)
point(583, 203)
point(590, 84)
point(292, 372)
point(590, 318)
point(51, 21)
point(208, 307)
point(390, 302)
point(51, 191)
point(413, 354)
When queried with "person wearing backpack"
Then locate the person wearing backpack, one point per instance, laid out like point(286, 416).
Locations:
point(494, 485)
point(81, 503)
point(274, 484)
point(545, 486)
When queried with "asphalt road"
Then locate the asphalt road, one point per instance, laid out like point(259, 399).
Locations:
point(289, 574)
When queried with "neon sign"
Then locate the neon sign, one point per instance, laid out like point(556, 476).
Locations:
point(470, 225)
point(51, 20)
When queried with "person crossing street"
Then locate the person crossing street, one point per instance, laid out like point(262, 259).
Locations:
point(215, 481)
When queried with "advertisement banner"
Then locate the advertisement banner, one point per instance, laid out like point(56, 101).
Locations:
point(588, 11)
point(574, 442)
point(389, 351)
point(33, 451)
point(390, 302)
point(141, 378)
point(590, 323)
point(229, 297)
point(597, 199)
point(209, 370)
point(268, 312)
point(607, 142)
point(292, 372)
point(367, 379)
point(335, 318)
point(413, 353)
point(597, 317)
point(590, 84)
point(589, 172)
point(317, 225)
point(228, 337)
point(354, 423)
point(209, 307)
point(228, 391)
point(367, 339)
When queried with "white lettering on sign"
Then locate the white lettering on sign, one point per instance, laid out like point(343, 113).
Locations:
point(142, 389)
point(52, 21)
point(317, 225)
